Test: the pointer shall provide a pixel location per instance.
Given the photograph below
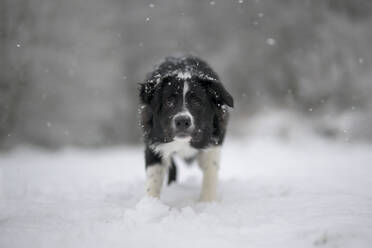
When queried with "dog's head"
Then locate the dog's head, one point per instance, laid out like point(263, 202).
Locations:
point(183, 105)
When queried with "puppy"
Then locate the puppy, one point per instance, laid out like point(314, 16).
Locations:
point(183, 111)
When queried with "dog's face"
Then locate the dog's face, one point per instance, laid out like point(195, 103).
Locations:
point(182, 106)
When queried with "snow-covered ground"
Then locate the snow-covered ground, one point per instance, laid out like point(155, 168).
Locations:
point(303, 193)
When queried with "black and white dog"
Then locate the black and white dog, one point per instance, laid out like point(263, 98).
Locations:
point(183, 111)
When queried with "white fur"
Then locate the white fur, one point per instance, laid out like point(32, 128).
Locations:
point(184, 75)
point(209, 162)
point(180, 146)
point(185, 90)
point(154, 179)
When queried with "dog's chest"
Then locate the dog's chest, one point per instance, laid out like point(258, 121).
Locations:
point(180, 147)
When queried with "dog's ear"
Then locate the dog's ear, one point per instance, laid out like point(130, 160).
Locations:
point(218, 93)
point(146, 92)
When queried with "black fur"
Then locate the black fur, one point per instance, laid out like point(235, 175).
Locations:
point(151, 157)
point(161, 97)
point(172, 173)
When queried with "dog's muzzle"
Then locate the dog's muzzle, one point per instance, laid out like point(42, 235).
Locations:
point(183, 125)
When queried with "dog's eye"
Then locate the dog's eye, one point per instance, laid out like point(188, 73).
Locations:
point(195, 101)
point(170, 100)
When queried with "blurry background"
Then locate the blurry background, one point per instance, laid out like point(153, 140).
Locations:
point(69, 69)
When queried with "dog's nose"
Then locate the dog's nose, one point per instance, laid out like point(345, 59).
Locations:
point(182, 122)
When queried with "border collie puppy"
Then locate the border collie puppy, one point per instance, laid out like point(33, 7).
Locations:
point(183, 112)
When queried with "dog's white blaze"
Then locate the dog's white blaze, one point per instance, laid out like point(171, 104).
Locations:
point(185, 90)
point(185, 111)
point(209, 160)
point(154, 179)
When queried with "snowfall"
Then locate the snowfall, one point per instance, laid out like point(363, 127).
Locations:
point(303, 192)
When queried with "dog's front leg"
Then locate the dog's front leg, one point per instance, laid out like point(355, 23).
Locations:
point(155, 170)
point(209, 163)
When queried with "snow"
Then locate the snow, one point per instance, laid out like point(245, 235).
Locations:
point(270, 41)
point(272, 193)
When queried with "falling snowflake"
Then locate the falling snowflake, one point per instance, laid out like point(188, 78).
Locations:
point(270, 41)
